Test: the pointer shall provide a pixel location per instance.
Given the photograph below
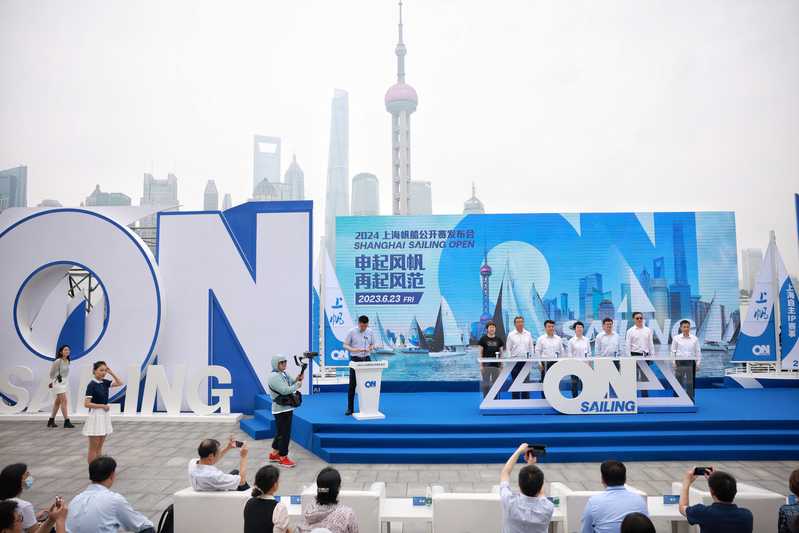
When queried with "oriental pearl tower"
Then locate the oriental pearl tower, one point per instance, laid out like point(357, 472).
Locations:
point(401, 101)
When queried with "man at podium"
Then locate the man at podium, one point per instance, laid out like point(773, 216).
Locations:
point(359, 343)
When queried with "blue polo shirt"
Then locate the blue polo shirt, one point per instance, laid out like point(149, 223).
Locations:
point(720, 518)
point(98, 391)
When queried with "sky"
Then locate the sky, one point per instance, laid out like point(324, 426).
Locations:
point(547, 106)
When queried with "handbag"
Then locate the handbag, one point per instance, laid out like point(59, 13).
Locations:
point(287, 400)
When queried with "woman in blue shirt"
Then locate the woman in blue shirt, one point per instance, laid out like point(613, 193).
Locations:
point(98, 425)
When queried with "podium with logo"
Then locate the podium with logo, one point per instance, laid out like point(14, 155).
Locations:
point(368, 376)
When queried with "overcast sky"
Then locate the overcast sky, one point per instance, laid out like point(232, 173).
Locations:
point(625, 105)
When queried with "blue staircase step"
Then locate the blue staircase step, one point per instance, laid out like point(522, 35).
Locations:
point(263, 401)
point(261, 426)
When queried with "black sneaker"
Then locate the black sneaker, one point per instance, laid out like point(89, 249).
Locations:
point(51, 423)
point(348, 412)
point(68, 424)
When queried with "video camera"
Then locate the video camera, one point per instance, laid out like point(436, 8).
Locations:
point(303, 360)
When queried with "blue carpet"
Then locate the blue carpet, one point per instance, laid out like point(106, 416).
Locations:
point(446, 427)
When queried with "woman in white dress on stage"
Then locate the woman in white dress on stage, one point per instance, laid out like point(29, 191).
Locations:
point(59, 382)
point(98, 425)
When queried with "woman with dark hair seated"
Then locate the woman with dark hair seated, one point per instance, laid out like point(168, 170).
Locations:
point(11, 518)
point(13, 479)
point(637, 523)
point(262, 513)
point(326, 512)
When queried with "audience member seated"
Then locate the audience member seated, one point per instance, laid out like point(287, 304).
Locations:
point(722, 516)
point(789, 513)
point(529, 511)
point(205, 476)
point(326, 512)
point(100, 510)
point(604, 512)
point(13, 480)
point(11, 518)
point(637, 523)
point(262, 513)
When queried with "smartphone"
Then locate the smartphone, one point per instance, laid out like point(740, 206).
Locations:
point(238, 443)
point(537, 450)
point(702, 470)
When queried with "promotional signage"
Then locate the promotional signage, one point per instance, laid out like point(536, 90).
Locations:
point(598, 380)
point(225, 292)
point(429, 284)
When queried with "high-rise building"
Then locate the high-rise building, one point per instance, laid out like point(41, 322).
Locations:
point(473, 206)
point(100, 198)
point(564, 304)
point(267, 191)
point(589, 284)
point(605, 310)
point(338, 168)
point(365, 195)
point(421, 198)
point(294, 178)
point(266, 160)
point(485, 275)
point(401, 100)
point(680, 290)
point(49, 203)
point(646, 281)
point(211, 197)
point(14, 187)
point(156, 192)
point(659, 291)
point(751, 261)
point(227, 202)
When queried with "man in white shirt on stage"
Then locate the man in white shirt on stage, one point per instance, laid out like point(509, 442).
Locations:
point(686, 345)
point(549, 346)
point(578, 347)
point(607, 343)
point(640, 343)
point(519, 344)
point(359, 342)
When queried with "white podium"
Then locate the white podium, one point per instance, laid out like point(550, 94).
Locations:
point(368, 376)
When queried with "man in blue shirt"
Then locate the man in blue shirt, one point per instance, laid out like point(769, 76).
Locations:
point(99, 510)
point(722, 516)
point(605, 511)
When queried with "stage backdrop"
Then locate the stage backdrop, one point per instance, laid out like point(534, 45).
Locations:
point(430, 283)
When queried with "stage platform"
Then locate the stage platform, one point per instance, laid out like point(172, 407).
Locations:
point(446, 427)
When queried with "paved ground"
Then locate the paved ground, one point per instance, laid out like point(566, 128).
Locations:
point(153, 456)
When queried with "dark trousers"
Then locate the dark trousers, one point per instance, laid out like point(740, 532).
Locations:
point(351, 388)
point(577, 386)
point(547, 365)
point(685, 372)
point(283, 433)
point(639, 374)
point(517, 367)
point(246, 486)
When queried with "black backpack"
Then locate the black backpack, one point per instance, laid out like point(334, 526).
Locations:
point(166, 524)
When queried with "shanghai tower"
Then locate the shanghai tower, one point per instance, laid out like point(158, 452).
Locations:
point(337, 201)
point(401, 101)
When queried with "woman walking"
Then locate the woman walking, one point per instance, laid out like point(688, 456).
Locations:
point(98, 425)
point(59, 382)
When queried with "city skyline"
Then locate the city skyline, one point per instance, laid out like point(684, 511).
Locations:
point(195, 127)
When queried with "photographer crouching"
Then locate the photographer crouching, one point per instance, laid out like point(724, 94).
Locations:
point(285, 398)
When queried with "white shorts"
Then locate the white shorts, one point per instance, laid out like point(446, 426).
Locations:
point(98, 423)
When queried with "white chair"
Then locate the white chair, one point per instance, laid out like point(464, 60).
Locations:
point(573, 503)
point(763, 503)
point(209, 512)
point(366, 504)
point(478, 512)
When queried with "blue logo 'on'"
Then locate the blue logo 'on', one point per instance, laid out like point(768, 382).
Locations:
point(370, 384)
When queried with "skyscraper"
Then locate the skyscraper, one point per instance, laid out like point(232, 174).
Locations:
point(157, 192)
point(751, 260)
point(100, 198)
point(564, 305)
point(294, 178)
point(589, 284)
point(473, 206)
point(266, 159)
point(401, 100)
point(338, 168)
point(485, 274)
point(227, 202)
point(659, 291)
point(365, 195)
point(14, 187)
point(421, 201)
point(680, 290)
point(211, 197)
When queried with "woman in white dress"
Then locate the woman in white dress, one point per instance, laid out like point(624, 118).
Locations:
point(59, 382)
point(98, 425)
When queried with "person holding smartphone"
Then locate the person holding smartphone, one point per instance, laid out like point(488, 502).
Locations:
point(722, 516)
point(11, 518)
point(530, 511)
point(59, 382)
point(98, 425)
point(205, 476)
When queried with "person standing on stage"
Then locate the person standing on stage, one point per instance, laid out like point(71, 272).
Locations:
point(686, 345)
point(640, 343)
point(98, 426)
point(359, 342)
point(490, 346)
point(578, 347)
point(549, 346)
point(608, 341)
point(59, 382)
point(520, 345)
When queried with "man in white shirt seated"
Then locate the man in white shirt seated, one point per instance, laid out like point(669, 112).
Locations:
point(99, 510)
point(686, 346)
point(605, 511)
point(640, 343)
point(519, 345)
point(548, 346)
point(530, 511)
point(205, 476)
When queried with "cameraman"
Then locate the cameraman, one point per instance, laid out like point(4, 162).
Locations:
point(280, 384)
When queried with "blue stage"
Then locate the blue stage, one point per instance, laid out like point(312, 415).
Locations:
point(446, 427)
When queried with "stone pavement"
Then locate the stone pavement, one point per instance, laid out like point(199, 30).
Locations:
point(153, 458)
